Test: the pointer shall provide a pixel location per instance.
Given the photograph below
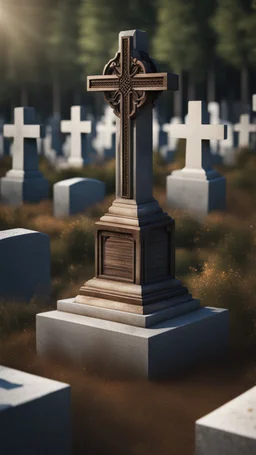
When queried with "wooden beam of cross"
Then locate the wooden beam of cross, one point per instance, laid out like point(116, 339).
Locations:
point(125, 83)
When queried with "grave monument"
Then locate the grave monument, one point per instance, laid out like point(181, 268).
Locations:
point(134, 315)
point(197, 187)
point(24, 182)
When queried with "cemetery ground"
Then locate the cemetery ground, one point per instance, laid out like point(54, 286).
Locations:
point(215, 258)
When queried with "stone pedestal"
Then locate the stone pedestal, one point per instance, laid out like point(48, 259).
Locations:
point(18, 187)
point(196, 191)
point(35, 415)
point(135, 351)
point(229, 430)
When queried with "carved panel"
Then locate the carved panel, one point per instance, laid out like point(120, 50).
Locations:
point(118, 256)
point(157, 254)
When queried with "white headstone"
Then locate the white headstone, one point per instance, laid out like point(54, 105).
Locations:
point(104, 141)
point(214, 111)
point(230, 429)
point(77, 127)
point(57, 138)
point(76, 195)
point(224, 111)
point(35, 414)
point(254, 103)
point(25, 264)
point(156, 131)
point(24, 182)
point(45, 146)
point(168, 151)
point(197, 187)
point(244, 129)
point(4, 142)
point(222, 150)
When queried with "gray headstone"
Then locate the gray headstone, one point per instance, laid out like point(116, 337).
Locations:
point(76, 195)
point(230, 429)
point(77, 127)
point(197, 187)
point(35, 414)
point(24, 182)
point(25, 264)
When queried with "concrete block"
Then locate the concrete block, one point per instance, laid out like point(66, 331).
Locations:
point(230, 429)
point(35, 415)
point(151, 353)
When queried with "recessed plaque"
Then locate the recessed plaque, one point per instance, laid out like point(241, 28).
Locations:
point(118, 255)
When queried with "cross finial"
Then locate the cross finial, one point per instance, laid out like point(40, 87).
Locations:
point(196, 132)
point(130, 81)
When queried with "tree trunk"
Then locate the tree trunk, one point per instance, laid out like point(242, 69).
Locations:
point(244, 88)
point(191, 87)
point(56, 95)
point(178, 99)
point(24, 96)
point(211, 84)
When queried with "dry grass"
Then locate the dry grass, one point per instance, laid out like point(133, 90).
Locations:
point(133, 417)
point(216, 259)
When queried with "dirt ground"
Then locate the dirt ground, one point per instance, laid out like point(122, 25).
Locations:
point(120, 417)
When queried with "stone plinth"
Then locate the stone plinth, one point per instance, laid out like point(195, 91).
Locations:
point(18, 187)
point(229, 430)
point(77, 194)
point(196, 192)
point(25, 264)
point(35, 415)
point(151, 353)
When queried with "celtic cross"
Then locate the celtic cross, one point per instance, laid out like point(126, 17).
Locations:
point(129, 81)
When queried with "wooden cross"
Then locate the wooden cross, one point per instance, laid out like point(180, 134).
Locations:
point(125, 83)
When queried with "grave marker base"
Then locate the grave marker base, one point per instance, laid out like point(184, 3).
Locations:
point(150, 353)
point(197, 195)
point(16, 190)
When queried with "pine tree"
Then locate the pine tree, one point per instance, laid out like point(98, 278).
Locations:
point(235, 23)
point(62, 49)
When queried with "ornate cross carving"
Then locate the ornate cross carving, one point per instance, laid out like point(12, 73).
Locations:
point(126, 81)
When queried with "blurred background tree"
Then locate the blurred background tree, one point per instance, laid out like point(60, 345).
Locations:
point(234, 22)
point(47, 47)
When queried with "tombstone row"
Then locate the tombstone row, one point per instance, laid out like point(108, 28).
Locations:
point(88, 140)
point(197, 187)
